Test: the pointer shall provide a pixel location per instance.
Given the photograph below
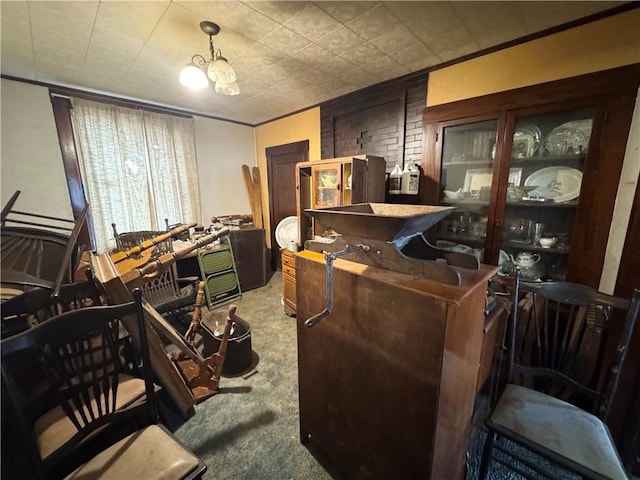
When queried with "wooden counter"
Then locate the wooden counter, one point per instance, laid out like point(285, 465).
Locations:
point(388, 380)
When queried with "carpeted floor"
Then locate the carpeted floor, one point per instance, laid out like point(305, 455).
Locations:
point(249, 430)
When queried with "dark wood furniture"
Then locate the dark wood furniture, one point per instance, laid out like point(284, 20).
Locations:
point(491, 371)
point(38, 305)
point(483, 144)
point(97, 399)
point(388, 380)
point(250, 255)
point(336, 182)
point(168, 292)
point(289, 281)
point(559, 393)
point(38, 250)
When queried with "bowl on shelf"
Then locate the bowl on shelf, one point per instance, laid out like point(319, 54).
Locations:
point(451, 195)
point(547, 242)
point(519, 193)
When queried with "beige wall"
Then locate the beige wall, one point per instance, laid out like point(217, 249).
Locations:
point(222, 148)
point(31, 160)
point(294, 128)
point(607, 43)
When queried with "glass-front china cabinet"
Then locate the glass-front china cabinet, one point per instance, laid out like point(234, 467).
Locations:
point(532, 173)
point(466, 177)
point(546, 165)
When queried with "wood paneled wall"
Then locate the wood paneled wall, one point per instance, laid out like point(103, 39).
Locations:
point(383, 120)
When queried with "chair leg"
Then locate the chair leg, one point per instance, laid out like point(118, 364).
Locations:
point(487, 452)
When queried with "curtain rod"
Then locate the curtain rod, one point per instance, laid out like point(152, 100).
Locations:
point(96, 97)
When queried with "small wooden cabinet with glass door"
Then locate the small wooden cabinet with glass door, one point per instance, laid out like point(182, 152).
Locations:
point(534, 186)
point(336, 182)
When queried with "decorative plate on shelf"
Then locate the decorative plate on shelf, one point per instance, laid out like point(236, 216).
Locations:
point(287, 231)
point(585, 126)
point(566, 140)
point(526, 140)
point(560, 184)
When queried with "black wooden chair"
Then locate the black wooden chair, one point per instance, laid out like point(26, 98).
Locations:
point(562, 374)
point(38, 304)
point(38, 250)
point(103, 423)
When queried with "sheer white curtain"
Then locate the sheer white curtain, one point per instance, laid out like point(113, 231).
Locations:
point(138, 168)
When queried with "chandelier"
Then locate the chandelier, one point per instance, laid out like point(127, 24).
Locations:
point(217, 67)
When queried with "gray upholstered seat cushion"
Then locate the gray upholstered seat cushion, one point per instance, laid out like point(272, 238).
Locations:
point(559, 427)
point(150, 453)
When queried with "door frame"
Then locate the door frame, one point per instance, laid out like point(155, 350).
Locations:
point(301, 146)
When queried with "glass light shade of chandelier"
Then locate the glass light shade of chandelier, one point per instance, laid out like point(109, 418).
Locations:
point(220, 70)
point(193, 77)
point(227, 88)
point(217, 67)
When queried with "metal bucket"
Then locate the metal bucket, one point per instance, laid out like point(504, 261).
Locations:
point(239, 353)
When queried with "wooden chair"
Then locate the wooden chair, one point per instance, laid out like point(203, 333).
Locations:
point(38, 250)
point(562, 375)
point(104, 422)
point(36, 305)
point(167, 292)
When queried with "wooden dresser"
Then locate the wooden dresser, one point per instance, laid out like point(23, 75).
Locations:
point(289, 281)
point(388, 380)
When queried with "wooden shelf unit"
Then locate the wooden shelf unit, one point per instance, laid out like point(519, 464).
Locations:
point(335, 182)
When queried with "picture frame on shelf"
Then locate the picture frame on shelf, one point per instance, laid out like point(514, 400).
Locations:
point(476, 178)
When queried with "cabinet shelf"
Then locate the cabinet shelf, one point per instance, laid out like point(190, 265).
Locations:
point(548, 158)
point(532, 203)
point(533, 248)
point(471, 241)
point(465, 203)
point(469, 163)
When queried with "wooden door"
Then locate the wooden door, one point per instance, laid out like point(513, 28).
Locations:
point(281, 177)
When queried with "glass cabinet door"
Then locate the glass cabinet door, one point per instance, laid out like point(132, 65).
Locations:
point(326, 185)
point(547, 159)
point(466, 179)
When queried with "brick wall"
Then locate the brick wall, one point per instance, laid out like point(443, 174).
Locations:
point(383, 120)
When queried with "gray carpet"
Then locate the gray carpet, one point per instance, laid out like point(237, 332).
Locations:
point(249, 430)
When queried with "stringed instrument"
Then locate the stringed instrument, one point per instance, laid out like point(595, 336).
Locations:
point(141, 253)
point(118, 287)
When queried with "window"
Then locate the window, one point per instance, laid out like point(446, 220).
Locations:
point(138, 168)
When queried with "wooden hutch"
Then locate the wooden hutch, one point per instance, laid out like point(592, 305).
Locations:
point(567, 138)
point(329, 183)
